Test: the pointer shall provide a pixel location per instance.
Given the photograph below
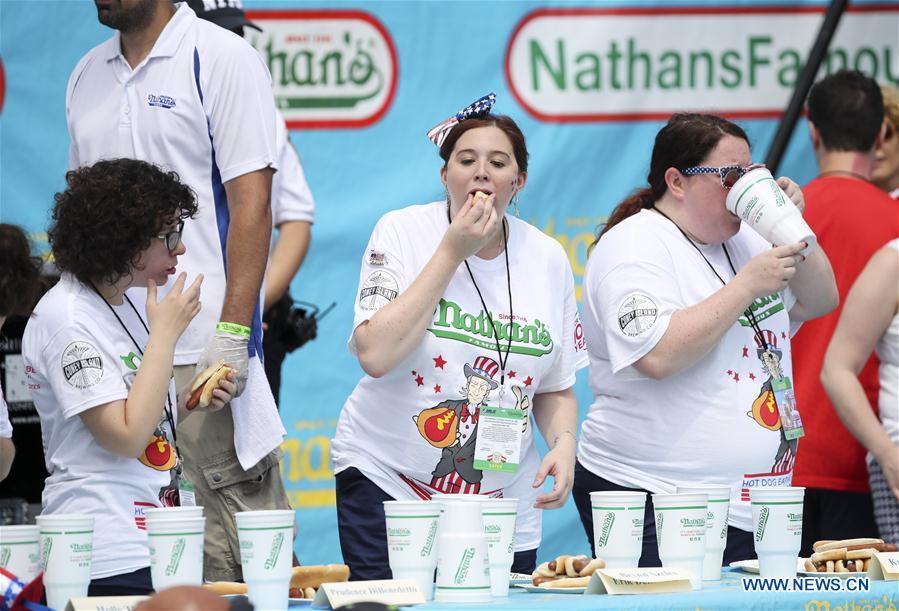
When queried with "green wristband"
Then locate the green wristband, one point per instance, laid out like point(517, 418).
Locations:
point(231, 327)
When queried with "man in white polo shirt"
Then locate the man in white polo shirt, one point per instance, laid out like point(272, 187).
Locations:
point(185, 94)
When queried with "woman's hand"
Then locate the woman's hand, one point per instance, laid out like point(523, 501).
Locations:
point(770, 272)
point(473, 227)
point(559, 463)
point(889, 464)
point(170, 317)
point(793, 191)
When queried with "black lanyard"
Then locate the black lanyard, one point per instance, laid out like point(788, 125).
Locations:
point(167, 408)
point(499, 353)
point(750, 316)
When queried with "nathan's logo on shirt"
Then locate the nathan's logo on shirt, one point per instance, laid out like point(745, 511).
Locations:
point(131, 360)
point(533, 339)
point(81, 365)
point(163, 101)
point(763, 307)
point(637, 314)
point(379, 289)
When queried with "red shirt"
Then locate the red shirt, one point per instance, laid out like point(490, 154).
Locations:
point(852, 220)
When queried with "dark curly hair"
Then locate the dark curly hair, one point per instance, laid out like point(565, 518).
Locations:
point(20, 273)
point(110, 213)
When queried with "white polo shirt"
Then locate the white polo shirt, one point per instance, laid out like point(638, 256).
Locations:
point(291, 197)
point(200, 104)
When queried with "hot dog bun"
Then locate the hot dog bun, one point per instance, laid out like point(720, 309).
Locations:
point(567, 582)
point(479, 196)
point(314, 576)
point(206, 382)
point(223, 588)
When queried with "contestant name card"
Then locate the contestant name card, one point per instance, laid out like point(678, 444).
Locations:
point(105, 603)
point(650, 580)
point(400, 592)
point(884, 566)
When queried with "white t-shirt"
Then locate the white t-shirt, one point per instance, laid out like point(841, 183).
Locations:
point(711, 423)
point(199, 104)
point(78, 356)
point(378, 432)
point(888, 352)
point(291, 197)
point(5, 426)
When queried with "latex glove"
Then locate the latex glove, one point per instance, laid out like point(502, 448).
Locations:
point(231, 348)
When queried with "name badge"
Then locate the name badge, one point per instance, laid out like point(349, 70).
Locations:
point(498, 446)
point(786, 406)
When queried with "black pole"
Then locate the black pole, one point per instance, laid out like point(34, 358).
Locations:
point(804, 83)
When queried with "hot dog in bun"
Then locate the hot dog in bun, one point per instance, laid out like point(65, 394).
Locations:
point(304, 580)
point(207, 381)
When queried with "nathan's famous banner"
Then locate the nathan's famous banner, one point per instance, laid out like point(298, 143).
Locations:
point(361, 83)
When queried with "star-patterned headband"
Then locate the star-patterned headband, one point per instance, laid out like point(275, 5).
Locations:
point(477, 109)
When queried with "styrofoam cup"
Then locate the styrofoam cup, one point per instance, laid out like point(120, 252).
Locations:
point(716, 527)
point(777, 518)
point(266, 545)
point(176, 551)
point(618, 527)
point(20, 551)
point(762, 204)
point(680, 531)
point(194, 511)
point(412, 541)
point(66, 548)
point(499, 527)
point(463, 568)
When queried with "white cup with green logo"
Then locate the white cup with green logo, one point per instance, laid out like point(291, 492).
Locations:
point(266, 546)
point(758, 200)
point(499, 527)
point(20, 551)
point(463, 566)
point(176, 550)
point(777, 532)
point(716, 527)
point(412, 541)
point(66, 548)
point(618, 527)
point(680, 531)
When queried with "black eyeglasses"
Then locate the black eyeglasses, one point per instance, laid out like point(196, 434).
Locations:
point(173, 237)
point(728, 174)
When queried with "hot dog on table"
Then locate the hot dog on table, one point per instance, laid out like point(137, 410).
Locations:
point(567, 572)
point(846, 555)
point(304, 580)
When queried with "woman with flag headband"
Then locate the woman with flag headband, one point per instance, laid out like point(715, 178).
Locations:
point(457, 293)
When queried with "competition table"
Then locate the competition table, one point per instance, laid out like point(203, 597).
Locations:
point(725, 594)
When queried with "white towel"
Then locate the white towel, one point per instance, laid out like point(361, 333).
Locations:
point(257, 425)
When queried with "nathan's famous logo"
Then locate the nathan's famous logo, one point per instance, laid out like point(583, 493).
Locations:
point(428, 547)
point(399, 532)
point(660, 520)
point(329, 68)
point(5, 555)
point(598, 64)
point(533, 339)
point(762, 308)
point(131, 360)
point(607, 523)
point(763, 521)
point(464, 566)
point(177, 554)
point(692, 523)
point(794, 517)
point(275, 551)
point(46, 548)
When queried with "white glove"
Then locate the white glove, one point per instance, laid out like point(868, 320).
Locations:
point(231, 348)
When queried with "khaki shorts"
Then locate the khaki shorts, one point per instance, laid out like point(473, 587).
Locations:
point(206, 444)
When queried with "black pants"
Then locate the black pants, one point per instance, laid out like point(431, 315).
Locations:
point(739, 542)
point(363, 533)
point(274, 356)
point(137, 583)
point(832, 514)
